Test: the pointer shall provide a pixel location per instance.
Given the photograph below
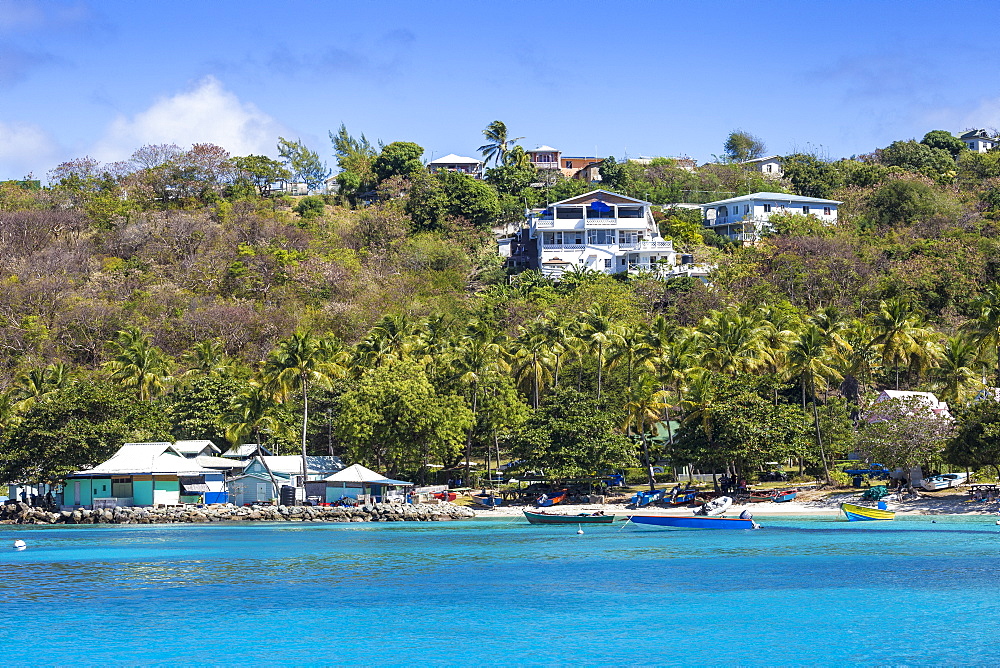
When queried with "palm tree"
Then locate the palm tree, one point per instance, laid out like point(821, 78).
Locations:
point(600, 332)
point(297, 363)
point(809, 358)
point(644, 408)
point(699, 409)
point(985, 327)
point(207, 357)
point(730, 342)
point(253, 411)
point(139, 364)
point(902, 338)
point(631, 349)
point(956, 375)
point(497, 144)
point(531, 351)
point(478, 355)
point(37, 384)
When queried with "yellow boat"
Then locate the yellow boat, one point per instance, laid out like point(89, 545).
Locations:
point(863, 513)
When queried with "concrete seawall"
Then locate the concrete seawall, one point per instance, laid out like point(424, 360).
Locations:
point(21, 513)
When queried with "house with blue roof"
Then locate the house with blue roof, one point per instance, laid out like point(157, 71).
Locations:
point(747, 217)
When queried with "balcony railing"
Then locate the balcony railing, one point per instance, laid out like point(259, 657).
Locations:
point(544, 222)
point(563, 246)
point(647, 245)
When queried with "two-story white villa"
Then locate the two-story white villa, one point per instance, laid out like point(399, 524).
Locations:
point(979, 141)
point(457, 163)
point(599, 231)
point(747, 217)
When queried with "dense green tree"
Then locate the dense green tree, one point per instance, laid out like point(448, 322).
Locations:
point(975, 442)
point(741, 146)
point(903, 202)
point(936, 163)
point(400, 158)
point(137, 363)
point(196, 411)
point(810, 176)
point(394, 420)
point(355, 157)
point(572, 436)
point(944, 140)
point(76, 427)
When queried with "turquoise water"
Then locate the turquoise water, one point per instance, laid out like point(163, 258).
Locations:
point(498, 591)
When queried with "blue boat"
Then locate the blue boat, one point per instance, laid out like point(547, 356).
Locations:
point(645, 498)
point(490, 501)
point(693, 522)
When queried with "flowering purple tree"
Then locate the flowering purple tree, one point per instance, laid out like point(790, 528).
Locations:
point(902, 433)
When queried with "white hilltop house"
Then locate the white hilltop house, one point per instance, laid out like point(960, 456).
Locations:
point(979, 141)
point(598, 231)
point(769, 166)
point(938, 407)
point(747, 217)
point(457, 163)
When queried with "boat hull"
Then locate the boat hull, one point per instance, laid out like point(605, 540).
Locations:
point(694, 522)
point(785, 497)
point(864, 514)
point(488, 501)
point(545, 518)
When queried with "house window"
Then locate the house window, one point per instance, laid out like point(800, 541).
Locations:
point(607, 263)
point(569, 212)
point(594, 213)
point(746, 208)
point(569, 163)
point(805, 210)
point(767, 208)
point(769, 169)
point(826, 211)
point(622, 262)
point(630, 212)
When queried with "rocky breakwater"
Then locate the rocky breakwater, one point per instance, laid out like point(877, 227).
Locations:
point(22, 513)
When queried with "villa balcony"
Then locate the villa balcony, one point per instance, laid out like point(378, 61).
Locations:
point(647, 245)
point(560, 247)
point(545, 222)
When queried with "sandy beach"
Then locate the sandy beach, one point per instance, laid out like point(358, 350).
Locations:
point(811, 503)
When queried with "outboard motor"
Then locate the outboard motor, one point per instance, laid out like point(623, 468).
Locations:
point(746, 515)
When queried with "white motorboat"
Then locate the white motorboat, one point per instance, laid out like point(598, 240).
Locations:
point(943, 481)
point(715, 507)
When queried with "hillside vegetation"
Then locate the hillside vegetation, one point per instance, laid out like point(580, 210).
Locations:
point(172, 296)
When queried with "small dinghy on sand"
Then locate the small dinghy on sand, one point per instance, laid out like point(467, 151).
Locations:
point(715, 507)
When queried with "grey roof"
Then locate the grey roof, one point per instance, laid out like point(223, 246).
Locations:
point(977, 134)
point(195, 447)
point(777, 197)
point(600, 191)
point(147, 458)
point(244, 451)
point(764, 159)
point(293, 464)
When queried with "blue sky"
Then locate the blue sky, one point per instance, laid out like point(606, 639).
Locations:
point(638, 77)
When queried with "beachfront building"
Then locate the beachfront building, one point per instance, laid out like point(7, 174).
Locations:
point(938, 407)
point(358, 484)
point(747, 218)
point(598, 231)
point(255, 485)
point(145, 474)
point(457, 163)
point(979, 141)
point(769, 166)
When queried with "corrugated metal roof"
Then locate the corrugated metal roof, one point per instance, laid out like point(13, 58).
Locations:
point(194, 447)
point(777, 197)
point(293, 464)
point(147, 458)
point(245, 451)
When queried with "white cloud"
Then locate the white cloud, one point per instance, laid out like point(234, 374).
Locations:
point(207, 113)
point(25, 148)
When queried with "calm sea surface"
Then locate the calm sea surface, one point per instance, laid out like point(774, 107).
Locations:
point(497, 591)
